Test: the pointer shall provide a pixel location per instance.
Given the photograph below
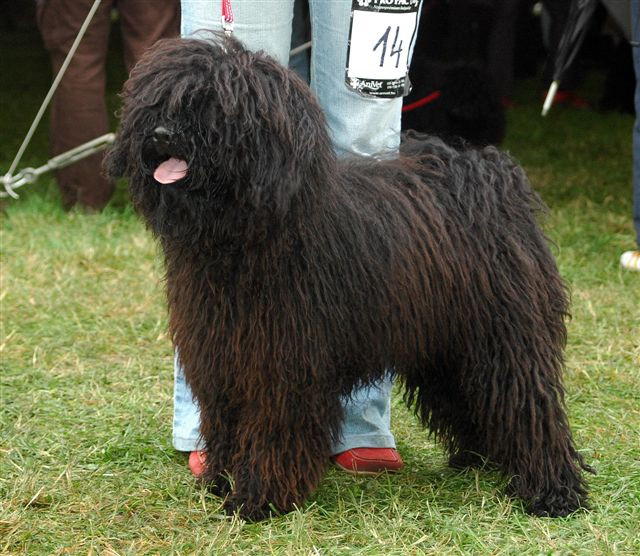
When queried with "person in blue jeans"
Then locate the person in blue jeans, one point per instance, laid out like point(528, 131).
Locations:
point(631, 259)
point(359, 124)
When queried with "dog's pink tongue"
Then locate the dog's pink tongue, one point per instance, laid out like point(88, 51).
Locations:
point(170, 171)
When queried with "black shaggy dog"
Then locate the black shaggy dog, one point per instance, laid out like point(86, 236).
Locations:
point(292, 277)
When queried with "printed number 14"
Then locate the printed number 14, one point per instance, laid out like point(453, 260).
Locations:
point(384, 39)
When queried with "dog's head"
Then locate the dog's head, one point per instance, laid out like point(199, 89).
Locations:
point(208, 127)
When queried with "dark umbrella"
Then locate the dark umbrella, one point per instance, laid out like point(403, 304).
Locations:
point(575, 29)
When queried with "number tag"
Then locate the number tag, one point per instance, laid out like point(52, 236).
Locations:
point(380, 40)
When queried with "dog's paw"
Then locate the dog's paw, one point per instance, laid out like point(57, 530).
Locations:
point(554, 501)
point(557, 504)
point(233, 506)
point(218, 484)
point(221, 487)
point(466, 460)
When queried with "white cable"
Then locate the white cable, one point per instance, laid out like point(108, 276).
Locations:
point(301, 48)
point(548, 101)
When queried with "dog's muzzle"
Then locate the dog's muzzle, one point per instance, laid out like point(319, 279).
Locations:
point(163, 148)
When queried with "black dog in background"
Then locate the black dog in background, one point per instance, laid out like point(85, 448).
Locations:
point(453, 96)
point(292, 277)
point(457, 102)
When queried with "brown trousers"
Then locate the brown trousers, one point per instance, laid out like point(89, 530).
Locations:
point(78, 110)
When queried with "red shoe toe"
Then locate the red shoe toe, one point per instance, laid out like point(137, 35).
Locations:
point(197, 463)
point(369, 461)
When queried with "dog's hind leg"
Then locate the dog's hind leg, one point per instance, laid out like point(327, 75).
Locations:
point(497, 392)
point(520, 413)
point(513, 387)
point(509, 412)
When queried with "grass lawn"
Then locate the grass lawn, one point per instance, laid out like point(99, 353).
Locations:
point(86, 463)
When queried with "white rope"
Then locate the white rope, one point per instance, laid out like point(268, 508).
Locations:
point(548, 101)
point(301, 48)
point(7, 178)
point(29, 175)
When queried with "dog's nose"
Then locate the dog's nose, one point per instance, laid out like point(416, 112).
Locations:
point(162, 138)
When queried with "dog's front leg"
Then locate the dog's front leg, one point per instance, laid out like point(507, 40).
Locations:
point(219, 432)
point(284, 444)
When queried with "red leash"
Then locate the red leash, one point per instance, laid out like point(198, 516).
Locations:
point(227, 17)
point(421, 102)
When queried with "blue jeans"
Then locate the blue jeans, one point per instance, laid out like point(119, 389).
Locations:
point(358, 125)
point(635, 30)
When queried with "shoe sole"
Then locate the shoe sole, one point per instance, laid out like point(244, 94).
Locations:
point(357, 473)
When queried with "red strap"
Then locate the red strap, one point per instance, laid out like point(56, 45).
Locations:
point(421, 102)
point(227, 16)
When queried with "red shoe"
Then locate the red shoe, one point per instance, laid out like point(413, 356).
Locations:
point(197, 463)
point(369, 461)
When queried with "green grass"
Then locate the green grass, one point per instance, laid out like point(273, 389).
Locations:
point(86, 463)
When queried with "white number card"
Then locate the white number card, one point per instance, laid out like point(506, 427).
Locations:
point(380, 40)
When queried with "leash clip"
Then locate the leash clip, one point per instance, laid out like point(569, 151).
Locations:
point(227, 18)
point(227, 26)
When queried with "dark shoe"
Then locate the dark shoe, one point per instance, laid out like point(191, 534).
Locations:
point(369, 461)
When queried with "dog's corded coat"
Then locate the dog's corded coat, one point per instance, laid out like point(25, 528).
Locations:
point(293, 277)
